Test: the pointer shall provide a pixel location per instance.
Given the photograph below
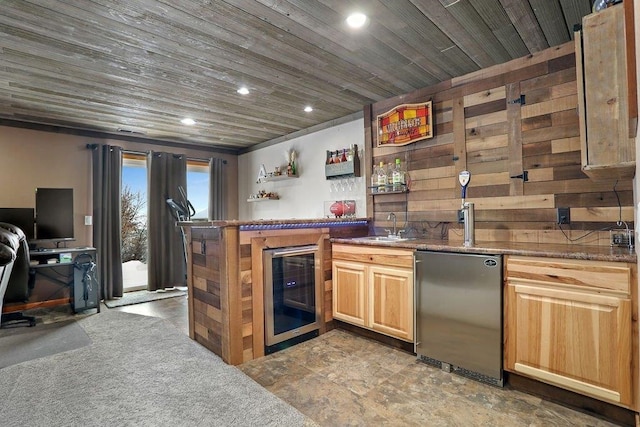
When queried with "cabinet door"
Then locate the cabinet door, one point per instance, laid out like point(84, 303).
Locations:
point(349, 292)
point(607, 149)
point(576, 340)
point(391, 301)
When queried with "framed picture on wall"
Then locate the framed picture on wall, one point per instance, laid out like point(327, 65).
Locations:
point(405, 124)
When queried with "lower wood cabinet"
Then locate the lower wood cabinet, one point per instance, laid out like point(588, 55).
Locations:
point(569, 323)
point(349, 293)
point(373, 288)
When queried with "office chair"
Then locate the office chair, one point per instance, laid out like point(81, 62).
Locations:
point(21, 280)
point(8, 244)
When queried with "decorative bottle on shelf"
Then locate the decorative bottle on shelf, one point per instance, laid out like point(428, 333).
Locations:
point(389, 170)
point(382, 178)
point(396, 177)
point(374, 179)
point(350, 154)
point(343, 158)
point(328, 161)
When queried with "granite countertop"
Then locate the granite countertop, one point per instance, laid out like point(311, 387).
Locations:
point(597, 253)
point(274, 222)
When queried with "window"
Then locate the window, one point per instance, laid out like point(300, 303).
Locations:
point(133, 215)
point(198, 175)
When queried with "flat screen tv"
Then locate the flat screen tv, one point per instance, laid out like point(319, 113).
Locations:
point(23, 218)
point(54, 214)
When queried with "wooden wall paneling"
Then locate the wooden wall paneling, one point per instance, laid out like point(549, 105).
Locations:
point(496, 166)
point(576, 185)
point(500, 140)
point(328, 282)
point(487, 143)
point(459, 136)
point(632, 81)
point(501, 216)
point(419, 95)
point(190, 308)
point(596, 199)
point(369, 145)
point(561, 173)
point(207, 285)
point(485, 96)
point(257, 290)
point(231, 293)
point(488, 155)
point(488, 191)
point(246, 281)
point(563, 145)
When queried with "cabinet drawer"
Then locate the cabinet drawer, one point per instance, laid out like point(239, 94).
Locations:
point(373, 255)
point(611, 276)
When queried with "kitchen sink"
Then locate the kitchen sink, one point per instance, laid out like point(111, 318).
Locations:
point(382, 239)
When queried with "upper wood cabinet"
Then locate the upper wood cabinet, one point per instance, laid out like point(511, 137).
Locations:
point(606, 131)
point(569, 323)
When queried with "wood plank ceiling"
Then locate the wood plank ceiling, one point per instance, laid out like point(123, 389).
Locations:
point(138, 67)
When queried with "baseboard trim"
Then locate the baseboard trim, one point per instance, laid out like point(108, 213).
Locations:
point(576, 401)
point(385, 339)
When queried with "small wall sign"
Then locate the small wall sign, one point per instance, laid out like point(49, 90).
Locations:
point(405, 124)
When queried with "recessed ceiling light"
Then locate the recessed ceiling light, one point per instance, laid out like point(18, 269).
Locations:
point(188, 121)
point(356, 20)
point(308, 109)
point(243, 91)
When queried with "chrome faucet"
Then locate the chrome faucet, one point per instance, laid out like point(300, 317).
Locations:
point(393, 217)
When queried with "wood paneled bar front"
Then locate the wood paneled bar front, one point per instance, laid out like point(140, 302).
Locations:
point(225, 277)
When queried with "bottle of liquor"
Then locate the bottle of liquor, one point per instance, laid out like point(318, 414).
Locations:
point(343, 158)
point(382, 178)
point(374, 179)
point(396, 176)
point(328, 161)
point(350, 154)
point(389, 170)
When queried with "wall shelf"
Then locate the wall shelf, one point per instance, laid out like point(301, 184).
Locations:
point(388, 190)
point(262, 199)
point(278, 178)
point(341, 170)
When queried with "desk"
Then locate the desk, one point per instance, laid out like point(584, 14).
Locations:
point(70, 267)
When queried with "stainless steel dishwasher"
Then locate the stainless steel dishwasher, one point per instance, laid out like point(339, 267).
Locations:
point(459, 313)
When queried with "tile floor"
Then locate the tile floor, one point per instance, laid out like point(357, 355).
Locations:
point(341, 379)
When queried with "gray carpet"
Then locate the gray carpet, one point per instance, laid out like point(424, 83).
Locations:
point(138, 297)
point(19, 344)
point(138, 371)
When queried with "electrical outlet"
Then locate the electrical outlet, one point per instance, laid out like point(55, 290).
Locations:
point(460, 216)
point(563, 216)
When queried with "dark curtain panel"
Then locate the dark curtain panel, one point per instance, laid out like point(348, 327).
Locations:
point(107, 177)
point(166, 262)
point(217, 183)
